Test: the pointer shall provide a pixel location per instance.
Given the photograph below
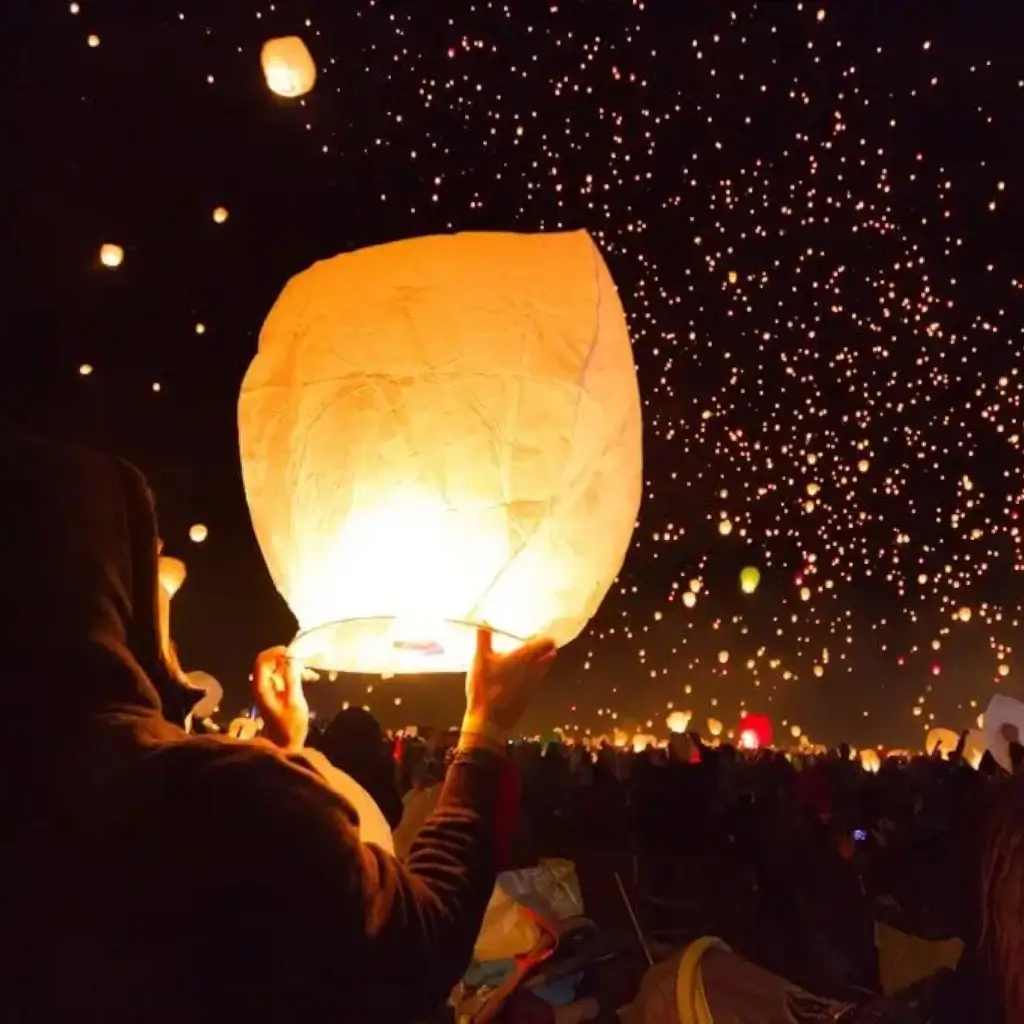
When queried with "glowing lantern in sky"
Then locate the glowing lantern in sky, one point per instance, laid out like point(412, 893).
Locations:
point(795, 731)
point(111, 255)
point(946, 737)
point(677, 721)
point(220, 215)
point(758, 726)
point(438, 433)
point(288, 66)
point(870, 761)
point(750, 578)
point(171, 575)
point(714, 727)
point(723, 657)
point(198, 533)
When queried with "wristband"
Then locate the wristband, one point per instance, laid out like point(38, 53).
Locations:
point(488, 732)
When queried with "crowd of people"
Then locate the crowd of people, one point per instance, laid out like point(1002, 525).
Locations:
point(160, 870)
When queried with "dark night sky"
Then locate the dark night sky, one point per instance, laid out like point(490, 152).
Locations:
point(865, 359)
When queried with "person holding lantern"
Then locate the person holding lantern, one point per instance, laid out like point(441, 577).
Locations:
point(157, 876)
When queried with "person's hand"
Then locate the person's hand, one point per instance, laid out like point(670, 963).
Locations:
point(500, 686)
point(277, 692)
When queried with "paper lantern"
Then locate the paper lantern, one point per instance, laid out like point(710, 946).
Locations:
point(288, 66)
point(677, 721)
point(870, 761)
point(948, 739)
point(714, 727)
point(111, 255)
point(760, 726)
point(198, 532)
point(750, 577)
point(439, 433)
point(171, 573)
point(641, 741)
point(220, 215)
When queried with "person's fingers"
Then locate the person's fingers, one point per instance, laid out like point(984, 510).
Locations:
point(483, 643)
point(539, 649)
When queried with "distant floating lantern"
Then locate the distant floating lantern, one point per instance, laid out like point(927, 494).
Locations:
point(408, 521)
point(723, 657)
point(870, 761)
point(946, 738)
point(750, 578)
point(171, 574)
point(733, 277)
point(760, 726)
point(288, 66)
point(198, 533)
point(714, 727)
point(85, 370)
point(725, 527)
point(220, 215)
point(795, 731)
point(964, 614)
point(1004, 670)
point(689, 599)
point(93, 41)
point(863, 465)
point(111, 255)
point(677, 721)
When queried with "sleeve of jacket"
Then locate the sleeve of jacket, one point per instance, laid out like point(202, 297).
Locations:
point(392, 939)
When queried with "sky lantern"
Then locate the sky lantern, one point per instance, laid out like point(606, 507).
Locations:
point(750, 578)
point(948, 740)
point(870, 761)
point(677, 721)
point(758, 727)
point(171, 574)
point(288, 66)
point(439, 433)
point(220, 215)
point(198, 532)
point(111, 255)
point(714, 727)
point(723, 657)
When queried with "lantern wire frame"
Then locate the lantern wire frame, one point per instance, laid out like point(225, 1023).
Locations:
point(389, 646)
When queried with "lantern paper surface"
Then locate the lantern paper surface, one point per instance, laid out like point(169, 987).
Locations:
point(288, 66)
point(438, 433)
point(944, 737)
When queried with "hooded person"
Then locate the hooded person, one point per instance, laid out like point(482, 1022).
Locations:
point(154, 876)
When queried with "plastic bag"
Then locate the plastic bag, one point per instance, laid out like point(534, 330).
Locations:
point(550, 891)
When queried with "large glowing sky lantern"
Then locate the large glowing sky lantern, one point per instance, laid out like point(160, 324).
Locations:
point(439, 433)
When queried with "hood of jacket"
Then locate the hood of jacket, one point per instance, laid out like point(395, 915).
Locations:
point(79, 597)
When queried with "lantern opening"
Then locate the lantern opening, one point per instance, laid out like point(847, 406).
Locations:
point(390, 646)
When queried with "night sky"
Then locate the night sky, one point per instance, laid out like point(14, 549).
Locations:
point(812, 214)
